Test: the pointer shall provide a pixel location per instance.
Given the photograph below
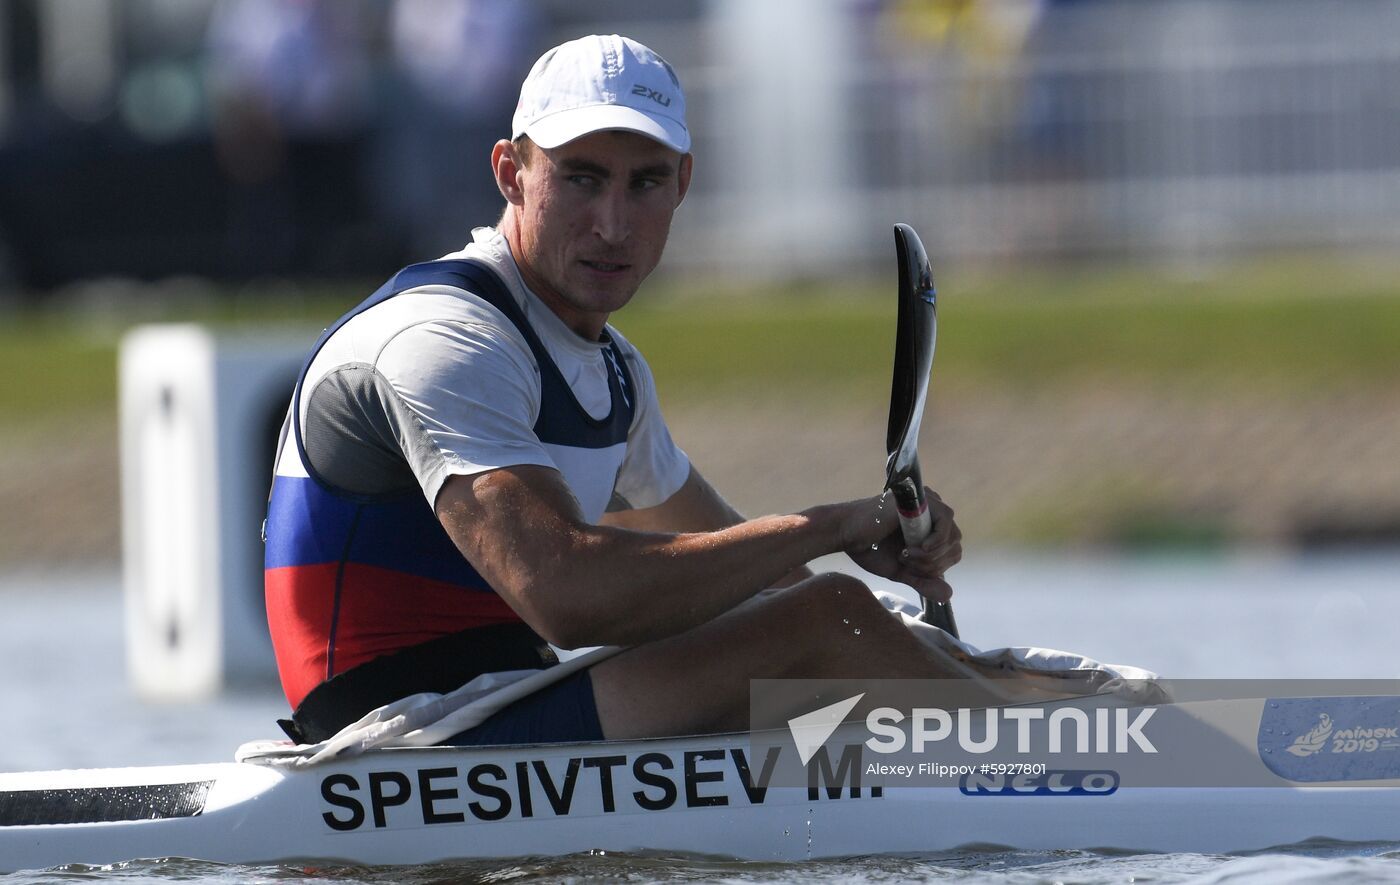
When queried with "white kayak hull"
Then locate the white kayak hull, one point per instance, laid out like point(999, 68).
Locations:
point(676, 795)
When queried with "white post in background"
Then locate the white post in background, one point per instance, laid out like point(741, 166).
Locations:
point(198, 418)
point(783, 106)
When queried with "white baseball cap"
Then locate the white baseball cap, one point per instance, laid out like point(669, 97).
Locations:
point(597, 83)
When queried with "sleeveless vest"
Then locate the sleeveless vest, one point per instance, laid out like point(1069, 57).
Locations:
point(350, 579)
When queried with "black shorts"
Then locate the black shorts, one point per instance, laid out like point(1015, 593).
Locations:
point(562, 713)
point(440, 665)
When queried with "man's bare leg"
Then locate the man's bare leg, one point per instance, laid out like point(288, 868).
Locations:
point(828, 626)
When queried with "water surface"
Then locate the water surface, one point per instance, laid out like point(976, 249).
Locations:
point(1256, 614)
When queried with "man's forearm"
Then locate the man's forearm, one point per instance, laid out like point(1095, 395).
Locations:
point(583, 584)
point(666, 583)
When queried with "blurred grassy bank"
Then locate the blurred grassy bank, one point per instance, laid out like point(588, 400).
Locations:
point(1302, 326)
point(1251, 402)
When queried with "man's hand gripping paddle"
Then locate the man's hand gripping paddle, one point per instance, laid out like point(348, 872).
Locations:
point(913, 361)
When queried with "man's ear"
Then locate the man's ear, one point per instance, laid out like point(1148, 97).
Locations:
point(683, 176)
point(505, 163)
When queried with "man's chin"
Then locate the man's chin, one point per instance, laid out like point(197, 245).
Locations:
point(607, 298)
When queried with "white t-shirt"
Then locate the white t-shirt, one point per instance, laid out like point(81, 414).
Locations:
point(440, 379)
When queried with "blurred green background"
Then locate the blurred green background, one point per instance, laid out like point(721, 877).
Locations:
point(1254, 402)
point(1165, 238)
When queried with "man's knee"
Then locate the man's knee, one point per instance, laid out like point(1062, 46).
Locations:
point(833, 626)
point(839, 603)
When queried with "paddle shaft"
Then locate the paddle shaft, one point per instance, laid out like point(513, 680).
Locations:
point(916, 523)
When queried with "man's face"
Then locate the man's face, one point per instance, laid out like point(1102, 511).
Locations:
point(593, 217)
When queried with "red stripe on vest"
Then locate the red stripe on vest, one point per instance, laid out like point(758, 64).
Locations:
point(375, 617)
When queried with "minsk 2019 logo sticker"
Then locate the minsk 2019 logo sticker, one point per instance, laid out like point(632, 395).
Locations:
point(1314, 741)
point(1331, 739)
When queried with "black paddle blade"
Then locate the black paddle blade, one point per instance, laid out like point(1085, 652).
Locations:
point(916, 332)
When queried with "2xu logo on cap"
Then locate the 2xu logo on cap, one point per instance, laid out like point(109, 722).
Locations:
point(647, 92)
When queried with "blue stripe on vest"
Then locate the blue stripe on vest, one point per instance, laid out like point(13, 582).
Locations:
point(308, 525)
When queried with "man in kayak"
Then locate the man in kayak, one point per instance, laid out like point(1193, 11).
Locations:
point(475, 468)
